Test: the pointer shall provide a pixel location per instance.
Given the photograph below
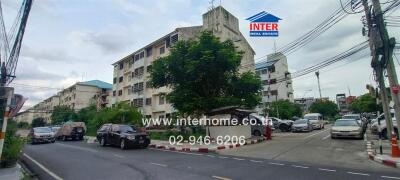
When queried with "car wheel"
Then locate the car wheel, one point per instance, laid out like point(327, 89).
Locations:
point(102, 142)
point(122, 144)
point(53, 141)
point(257, 133)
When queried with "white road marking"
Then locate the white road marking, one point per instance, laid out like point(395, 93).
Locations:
point(238, 159)
point(119, 156)
point(222, 178)
point(211, 156)
point(77, 147)
point(178, 152)
point(390, 177)
point(315, 134)
point(330, 170)
point(362, 174)
point(256, 161)
point(222, 157)
point(44, 168)
point(157, 164)
point(279, 164)
point(296, 166)
point(326, 137)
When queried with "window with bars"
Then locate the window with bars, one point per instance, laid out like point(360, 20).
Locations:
point(148, 101)
point(149, 51)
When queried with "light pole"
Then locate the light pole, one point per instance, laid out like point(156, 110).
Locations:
point(319, 87)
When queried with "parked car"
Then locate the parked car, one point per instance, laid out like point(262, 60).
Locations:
point(316, 120)
point(41, 134)
point(363, 123)
point(71, 130)
point(346, 128)
point(283, 125)
point(374, 124)
point(302, 125)
point(260, 128)
point(55, 129)
point(122, 135)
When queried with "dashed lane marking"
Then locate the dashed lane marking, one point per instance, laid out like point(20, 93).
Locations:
point(211, 156)
point(196, 154)
point(330, 170)
point(390, 177)
point(157, 164)
point(222, 157)
point(256, 161)
point(238, 159)
point(221, 178)
point(278, 164)
point(118, 156)
point(44, 168)
point(296, 166)
point(356, 173)
point(315, 134)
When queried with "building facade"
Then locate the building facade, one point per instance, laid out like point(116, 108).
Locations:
point(131, 73)
point(76, 97)
point(305, 103)
point(276, 80)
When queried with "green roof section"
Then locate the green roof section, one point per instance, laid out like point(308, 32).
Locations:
point(98, 83)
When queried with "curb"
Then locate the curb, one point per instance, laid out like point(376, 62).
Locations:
point(205, 149)
point(377, 158)
point(90, 139)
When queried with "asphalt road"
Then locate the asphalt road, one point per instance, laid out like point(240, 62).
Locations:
point(314, 147)
point(79, 160)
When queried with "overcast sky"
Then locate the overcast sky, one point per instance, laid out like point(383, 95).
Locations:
point(73, 40)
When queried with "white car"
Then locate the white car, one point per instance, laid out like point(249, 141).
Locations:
point(316, 120)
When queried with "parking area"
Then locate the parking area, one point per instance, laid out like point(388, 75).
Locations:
point(315, 147)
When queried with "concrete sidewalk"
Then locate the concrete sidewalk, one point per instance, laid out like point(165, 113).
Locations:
point(14, 173)
point(384, 158)
point(212, 147)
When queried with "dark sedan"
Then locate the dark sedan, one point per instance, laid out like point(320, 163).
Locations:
point(122, 135)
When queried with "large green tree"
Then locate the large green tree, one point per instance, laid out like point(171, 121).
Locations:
point(325, 107)
point(203, 75)
point(87, 114)
point(283, 109)
point(364, 103)
point(62, 114)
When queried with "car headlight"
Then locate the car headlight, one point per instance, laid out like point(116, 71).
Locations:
point(131, 137)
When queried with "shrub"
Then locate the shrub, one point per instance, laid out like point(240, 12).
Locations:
point(12, 146)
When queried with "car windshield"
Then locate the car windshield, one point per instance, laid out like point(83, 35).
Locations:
point(311, 117)
point(351, 117)
point(42, 130)
point(126, 128)
point(302, 121)
point(346, 123)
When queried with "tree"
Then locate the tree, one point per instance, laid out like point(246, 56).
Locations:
point(38, 122)
point(203, 75)
point(364, 103)
point(86, 114)
point(284, 108)
point(62, 114)
point(325, 107)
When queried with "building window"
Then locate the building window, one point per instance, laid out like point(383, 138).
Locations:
point(161, 100)
point(162, 50)
point(114, 80)
point(138, 102)
point(119, 92)
point(121, 79)
point(274, 93)
point(264, 71)
point(121, 65)
point(265, 93)
point(114, 93)
point(142, 55)
point(148, 101)
point(137, 57)
point(272, 81)
point(265, 82)
point(148, 84)
point(149, 51)
point(174, 38)
point(272, 69)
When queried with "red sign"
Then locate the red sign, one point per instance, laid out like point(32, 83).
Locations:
point(396, 89)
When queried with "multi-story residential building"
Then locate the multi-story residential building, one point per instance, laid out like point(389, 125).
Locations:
point(131, 73)
point(77, 96)
point(341, 102)
point(276, 80)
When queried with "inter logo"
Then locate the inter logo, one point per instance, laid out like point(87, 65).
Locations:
point(264, 24)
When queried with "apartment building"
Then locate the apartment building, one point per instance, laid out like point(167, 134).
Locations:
point(77, 96)
point(276, 80)
point(305, 102)
point(131, 73)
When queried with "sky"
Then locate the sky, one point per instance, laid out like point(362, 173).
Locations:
point(67, 41)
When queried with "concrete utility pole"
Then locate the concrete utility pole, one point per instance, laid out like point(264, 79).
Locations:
point(387, 52)
point(376, 46)
point(6, 94)
point(319, 87)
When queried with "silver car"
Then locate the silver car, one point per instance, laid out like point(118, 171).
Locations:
point(346, 128)
point(302, 125)
point(42, 134)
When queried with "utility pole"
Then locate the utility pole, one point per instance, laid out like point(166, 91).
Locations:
point(387, 58)
point(319, 87)
point(376, 44)
point(5, 100)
